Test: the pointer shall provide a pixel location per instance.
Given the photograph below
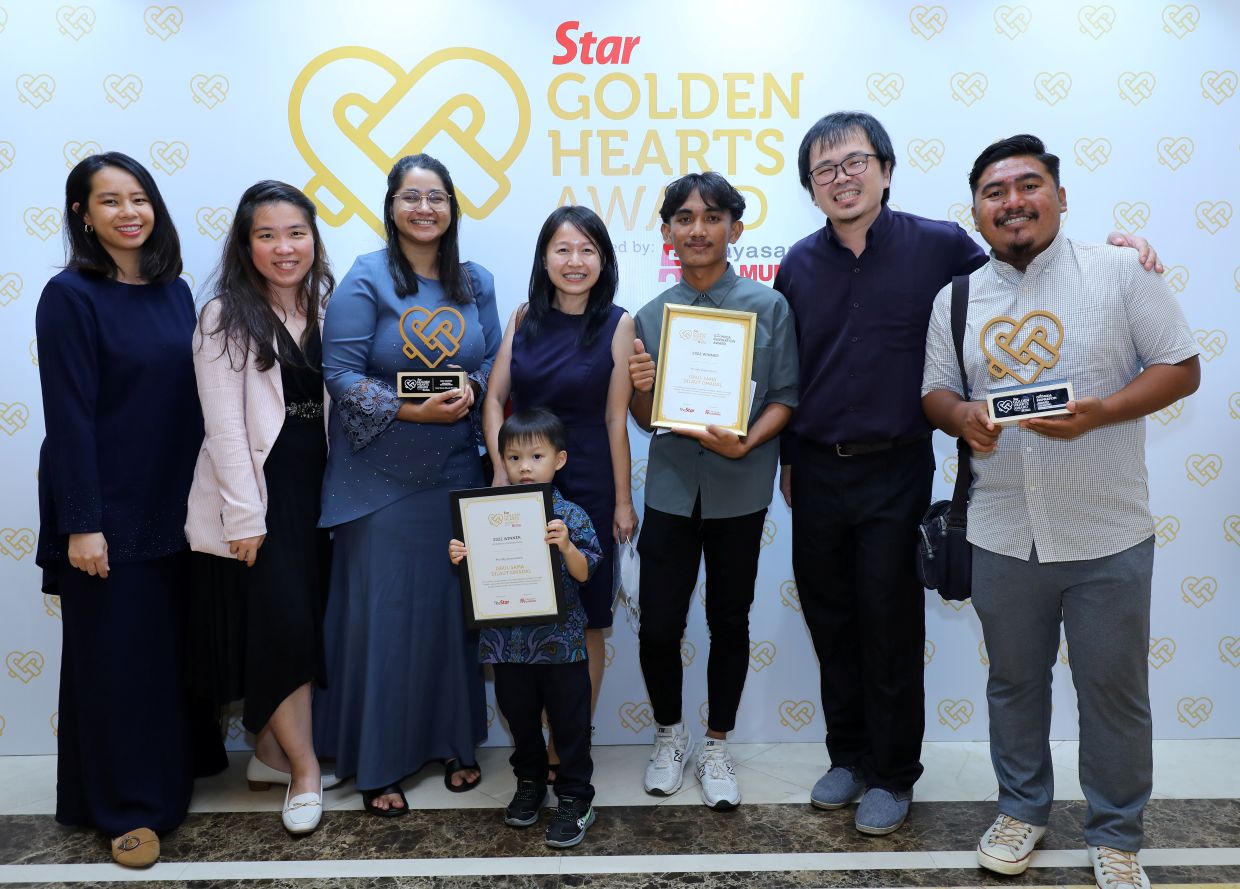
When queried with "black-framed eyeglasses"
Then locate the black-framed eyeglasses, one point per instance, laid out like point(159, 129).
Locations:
point(853, 165)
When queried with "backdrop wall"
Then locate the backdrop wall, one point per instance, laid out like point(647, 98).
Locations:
point(536, 104)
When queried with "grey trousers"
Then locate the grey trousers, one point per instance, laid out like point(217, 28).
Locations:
point(1104, 605)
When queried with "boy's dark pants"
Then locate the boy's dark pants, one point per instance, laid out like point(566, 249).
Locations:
point(523, 691)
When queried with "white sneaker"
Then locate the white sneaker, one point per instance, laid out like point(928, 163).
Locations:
point(1005, 848)
point(1114, 869)
point(717, 775)
point(667, 763)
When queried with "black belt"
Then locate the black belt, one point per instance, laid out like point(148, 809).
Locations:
point(858, 449)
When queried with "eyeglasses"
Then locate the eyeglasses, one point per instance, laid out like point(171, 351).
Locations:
point(853, 165)
point(413, 198)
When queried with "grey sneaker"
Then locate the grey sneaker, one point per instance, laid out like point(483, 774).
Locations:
point(836, 789)
point(882, 811)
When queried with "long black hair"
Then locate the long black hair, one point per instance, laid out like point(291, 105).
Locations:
point(542, 291)
point(455, 283)
point(161, 253)
point(246, 315)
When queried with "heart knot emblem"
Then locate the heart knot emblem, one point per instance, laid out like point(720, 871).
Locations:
point(439, 333)
point(761, 655)
point(796, 714)
point(1022, 349)
point(955, 714)
point(24, 665)
point(789, 595)
point(636, 716)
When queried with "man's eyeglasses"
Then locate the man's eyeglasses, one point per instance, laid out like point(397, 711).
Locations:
point(435, 199)
point(853, 165)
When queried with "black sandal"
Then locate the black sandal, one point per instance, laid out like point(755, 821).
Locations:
point(369, 797)
point(451, 767)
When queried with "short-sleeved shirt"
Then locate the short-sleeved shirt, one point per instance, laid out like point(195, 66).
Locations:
point(680, 470)
point(1088, 497)
point(561, 643)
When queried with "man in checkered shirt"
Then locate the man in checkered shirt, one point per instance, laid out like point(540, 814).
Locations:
point(1058, 514)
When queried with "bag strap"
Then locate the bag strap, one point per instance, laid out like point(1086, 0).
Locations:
point(958, 516)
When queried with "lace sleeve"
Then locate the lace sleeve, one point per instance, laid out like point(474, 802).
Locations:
point(367, 408)
point(481, 376)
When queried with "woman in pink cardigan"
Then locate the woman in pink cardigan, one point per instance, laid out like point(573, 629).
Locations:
point(261, 562)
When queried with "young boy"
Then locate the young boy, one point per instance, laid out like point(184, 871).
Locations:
point(544, 667)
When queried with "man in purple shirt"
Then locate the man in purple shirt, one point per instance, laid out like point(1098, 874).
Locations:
point(861, 289)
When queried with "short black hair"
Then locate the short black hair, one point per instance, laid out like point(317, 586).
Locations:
point(833, 129)
point(714, 190)
point(1013, 146)
point(535, 424)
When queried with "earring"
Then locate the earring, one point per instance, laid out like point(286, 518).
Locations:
point(90, 229)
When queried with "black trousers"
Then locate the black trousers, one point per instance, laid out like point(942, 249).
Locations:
point(523, 691)
point(854, 527)
point(671, 549)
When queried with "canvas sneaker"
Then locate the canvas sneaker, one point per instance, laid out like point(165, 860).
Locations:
point(1115, 869)
point(569, 824)
point(1006, 846)
point(526, 804)
point(837, 788)
point(666, 769)
point(717, 776)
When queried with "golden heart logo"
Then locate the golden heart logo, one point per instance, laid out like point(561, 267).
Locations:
point(496, 519)
point(1233, 404)
point(1229, 650)
point(1131, 217)
point(55, 721)
point(699, 593)
point(969, 88)
point(1198, 591)
point(36, 90)
point(1136, 86)
point(796, 714)
point(884, 88)
point(688, 651)
point(1175, 152)
point(1203, 468)
point(1063, 653)
point(761, 655)
point(789, 596)
point(122, 90)
point(213, 222)
point(1022, 349)
point(1162, 650)
point(169, 157)
point(1177, 277)
point(10, 287)
point(1231, 529)
point(925, 154)
point(1194, 711)
point(955, 714)
point(13, 417)
point(34, 352)
point(982, 655)
point(361, 120)
point(75, 23)
point(962, 215)
point(1052, 87)
point(1212, 342)
point(1213, 216)
point(163, 21)
point(638, 475)
point(1170, 412)
point(951, 467)
point(51, 604)
point(76, 152)
point(208, 90)
point(1219, 86)
point(1095, 21)
point(704, 714)
point(24, 665)
point(7, 155)
point(438, 332)
point(769, 529)
point(927, 653)
point(636, 716)
point(1166, 529)
point(928, 21)
point(1092, 153)
point(609, 654)
point(490, 716)
point(17, 543)
point(1012, 21)
point(1179, 21)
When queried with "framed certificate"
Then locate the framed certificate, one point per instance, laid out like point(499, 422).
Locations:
point(511, 575)
point(702, 377)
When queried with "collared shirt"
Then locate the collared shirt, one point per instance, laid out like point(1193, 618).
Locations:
point(1088, 497)
point(861, 325)
point(679, 468)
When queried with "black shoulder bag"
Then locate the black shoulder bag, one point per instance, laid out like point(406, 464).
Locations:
point(944, 555)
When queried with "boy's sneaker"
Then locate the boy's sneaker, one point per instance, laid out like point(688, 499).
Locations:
point(717, 775)
point(569, 824)
point(525, 806)
point(667, 762)
point(1005, 848)
point(1115, 869)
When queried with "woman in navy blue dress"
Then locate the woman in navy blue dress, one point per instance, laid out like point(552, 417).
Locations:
point(567, 349)
point(115, 332)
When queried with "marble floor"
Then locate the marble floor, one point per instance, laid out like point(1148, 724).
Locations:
point(775, 839)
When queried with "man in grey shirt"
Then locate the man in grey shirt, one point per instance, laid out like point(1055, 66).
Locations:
point(1058, 514)
point(707, 490)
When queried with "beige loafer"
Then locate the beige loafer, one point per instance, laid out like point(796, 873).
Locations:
point(137, 848)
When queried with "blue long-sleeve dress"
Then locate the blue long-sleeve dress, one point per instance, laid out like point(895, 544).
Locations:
point(404, 686)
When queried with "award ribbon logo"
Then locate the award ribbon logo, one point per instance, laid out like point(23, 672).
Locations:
point(1033, 343)
point(441, 339)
